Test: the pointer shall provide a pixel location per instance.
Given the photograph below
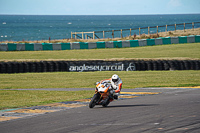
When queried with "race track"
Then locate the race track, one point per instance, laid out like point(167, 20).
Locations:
point(172, 110)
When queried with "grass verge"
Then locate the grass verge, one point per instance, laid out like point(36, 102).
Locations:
point(171, 51)
point(27, 98)
point(132, 79)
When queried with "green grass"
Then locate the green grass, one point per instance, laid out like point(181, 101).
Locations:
point(132, 79)
point(14, 99)
point(27, 98)
point(159, 51)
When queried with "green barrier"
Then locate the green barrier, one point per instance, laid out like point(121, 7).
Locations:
point(182, 39)
point(12, 46)
point(65, 46)
point(134, 43)
point(166, 40)
point(101, 45)
point(47, 46)
point(117, 44)
point(29, 46)
point(197, 38)
point(150, 42)
point(83, 45)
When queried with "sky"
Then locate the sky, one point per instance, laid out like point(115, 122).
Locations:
point(99, 7)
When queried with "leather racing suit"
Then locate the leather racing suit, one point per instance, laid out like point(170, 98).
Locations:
point(117, 86)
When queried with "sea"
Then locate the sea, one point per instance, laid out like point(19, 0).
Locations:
point(45, 27)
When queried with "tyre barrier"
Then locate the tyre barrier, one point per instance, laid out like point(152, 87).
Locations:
point(98, 65)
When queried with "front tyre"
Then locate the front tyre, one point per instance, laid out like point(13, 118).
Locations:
point(106, 103)
point(93, 101)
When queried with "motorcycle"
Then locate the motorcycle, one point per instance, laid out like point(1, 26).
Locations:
point(101, 96)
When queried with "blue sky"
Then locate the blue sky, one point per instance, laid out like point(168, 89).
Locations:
point(98, 7)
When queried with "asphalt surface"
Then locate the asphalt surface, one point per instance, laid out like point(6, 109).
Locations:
point(173, 110)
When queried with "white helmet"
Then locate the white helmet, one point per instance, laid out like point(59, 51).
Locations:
point(115, 78)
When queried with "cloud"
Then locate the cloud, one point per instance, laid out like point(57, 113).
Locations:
point(174, 3)
point(174, 6)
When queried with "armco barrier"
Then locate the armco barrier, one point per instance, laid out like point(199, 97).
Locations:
point(65, 46)
point(118, 44)
point(83, 45)
point(158, 41)
point(47, 46)
point(174, 40)
point(98, 65)
point(38, 47)
point(109, 44)
point(12, 47)
point(182, 39)
point(191, 39)
point(75, 45)
point(134, 43)
point(29, 46)
point(150, 42)
point(93, 45)
point(166, 40)
point(142, 42)
point(123, 44)
point(197, 38)
point(101, 44)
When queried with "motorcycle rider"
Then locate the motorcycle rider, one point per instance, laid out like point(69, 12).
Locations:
point(116, 85)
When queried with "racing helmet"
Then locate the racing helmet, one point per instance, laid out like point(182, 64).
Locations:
point(115, 78)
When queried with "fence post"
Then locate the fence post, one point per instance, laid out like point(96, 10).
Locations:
point(166, 27)
point(103, 34)
point(121, 34)
point(157, 29)
point(148, 30)
point(112, 33)
point(175, 27)
point(130, 31)
point(75, 35)
point(93, 35)
point(71, 35)
point(193, 25)
point(184, 27)
point(139, 31)
point(82, 36)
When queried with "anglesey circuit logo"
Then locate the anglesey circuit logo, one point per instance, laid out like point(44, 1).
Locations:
point(84, 67)
point(131, 67)
point(103, 67)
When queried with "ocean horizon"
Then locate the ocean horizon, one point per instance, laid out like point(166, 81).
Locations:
point(41, 27)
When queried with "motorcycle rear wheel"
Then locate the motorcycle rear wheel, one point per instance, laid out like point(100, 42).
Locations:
point(93, 101)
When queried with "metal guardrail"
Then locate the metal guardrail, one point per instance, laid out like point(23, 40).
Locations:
point(93, 34)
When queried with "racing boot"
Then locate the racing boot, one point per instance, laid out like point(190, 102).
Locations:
point(111, 94)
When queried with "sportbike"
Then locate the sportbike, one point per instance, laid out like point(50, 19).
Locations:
point(101, 96)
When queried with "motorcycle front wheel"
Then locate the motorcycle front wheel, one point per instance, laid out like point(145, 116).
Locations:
point(105, 104)
point(93, 101)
